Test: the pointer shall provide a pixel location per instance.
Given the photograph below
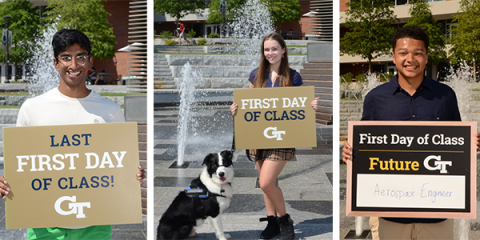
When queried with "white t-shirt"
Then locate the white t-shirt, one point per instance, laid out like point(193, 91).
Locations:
point(54, 108)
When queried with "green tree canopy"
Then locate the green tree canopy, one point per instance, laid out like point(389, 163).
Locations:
point(466, 34)
point(89, 17)
point(25, 27)
point(370, 25)
point(284, 10)
point(178, 8)
point(215, 16)
point(421, 16)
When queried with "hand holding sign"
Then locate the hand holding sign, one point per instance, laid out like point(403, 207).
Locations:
point(4, 190)
point(346, 152)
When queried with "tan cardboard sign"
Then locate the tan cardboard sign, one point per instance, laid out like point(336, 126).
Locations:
point(72, 175)
point(274, 118)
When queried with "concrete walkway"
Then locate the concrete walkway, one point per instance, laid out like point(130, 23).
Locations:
point(306, 182)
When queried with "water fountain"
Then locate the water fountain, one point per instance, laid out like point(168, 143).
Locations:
point(195, 136)
point(45, 77)
point(251, 23)
point(190, 79)
point(460, 81)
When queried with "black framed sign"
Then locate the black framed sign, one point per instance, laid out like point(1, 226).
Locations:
point(412, 169)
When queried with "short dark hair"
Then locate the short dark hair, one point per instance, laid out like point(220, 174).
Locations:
point(66, 37)
point(413, 32)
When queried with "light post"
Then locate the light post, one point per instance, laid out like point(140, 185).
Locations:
point(223, 10)
point(7, 23)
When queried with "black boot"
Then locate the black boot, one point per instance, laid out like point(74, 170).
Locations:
point(272, 228)
point(286, 227)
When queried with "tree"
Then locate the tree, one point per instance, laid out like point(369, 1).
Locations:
point(25, 27)
point(421, 16)
point(178, 8)
point(215, 16)
point(284, 10)
point(89, 17)
point(370, 25)
point(466, 34)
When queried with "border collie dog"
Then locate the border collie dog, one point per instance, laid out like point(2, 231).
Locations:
point(205, 198)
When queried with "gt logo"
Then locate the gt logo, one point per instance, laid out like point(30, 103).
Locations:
point(438, 164)
point(75, 208)
point(275, 134)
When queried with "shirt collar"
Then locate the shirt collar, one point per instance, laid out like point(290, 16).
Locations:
point(395, 87)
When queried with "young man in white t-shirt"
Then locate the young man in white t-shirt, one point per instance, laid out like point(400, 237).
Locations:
point(69, 103)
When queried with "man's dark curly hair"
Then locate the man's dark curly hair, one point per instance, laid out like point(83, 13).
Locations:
point(413, 32)
point(66, 37)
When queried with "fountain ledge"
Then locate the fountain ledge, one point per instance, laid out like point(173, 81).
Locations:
point(172, 96)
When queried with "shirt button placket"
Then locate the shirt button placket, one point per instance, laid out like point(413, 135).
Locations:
point(413, 107)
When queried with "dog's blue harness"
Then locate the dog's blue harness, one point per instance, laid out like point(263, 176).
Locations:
point(196, 191)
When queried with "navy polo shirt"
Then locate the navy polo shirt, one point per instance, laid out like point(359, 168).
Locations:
point(294, 77)
point(433, 101)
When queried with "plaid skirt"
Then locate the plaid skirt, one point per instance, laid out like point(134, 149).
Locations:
point(272, 154)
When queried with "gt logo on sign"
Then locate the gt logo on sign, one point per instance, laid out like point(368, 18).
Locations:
point(275, 134)
point(439, 164)
point(75, 208)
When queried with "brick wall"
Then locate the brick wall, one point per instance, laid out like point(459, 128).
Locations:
point(142, 150)
point(343, 5)
point(119, 21)
point(302, 26)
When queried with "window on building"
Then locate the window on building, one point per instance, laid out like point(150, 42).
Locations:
point(404, 2)
point(449, 27)
point(19, 72)
point(42, 10)
point(399, 2)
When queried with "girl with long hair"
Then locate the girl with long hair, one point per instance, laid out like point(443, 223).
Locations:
point(274, 71)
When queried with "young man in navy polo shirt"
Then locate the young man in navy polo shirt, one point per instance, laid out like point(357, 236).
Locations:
point(410, 96)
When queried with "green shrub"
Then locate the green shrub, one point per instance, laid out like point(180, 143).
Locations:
point(213, 35)
point(171, 42)
point(347, 76)
point(361, 78)
point(202, 41)
point(191, 34)
point(386, 77)
point(166, 35)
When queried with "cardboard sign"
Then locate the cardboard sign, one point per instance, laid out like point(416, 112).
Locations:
point(72, 175)
point(274, 118)
point(412, 169)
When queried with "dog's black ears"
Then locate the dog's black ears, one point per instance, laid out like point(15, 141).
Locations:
point(228, 154)
point(207, 159)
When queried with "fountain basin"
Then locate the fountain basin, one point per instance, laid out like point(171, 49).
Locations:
point(171, 97)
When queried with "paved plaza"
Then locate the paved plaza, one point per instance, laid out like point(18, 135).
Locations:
point(306, 182)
